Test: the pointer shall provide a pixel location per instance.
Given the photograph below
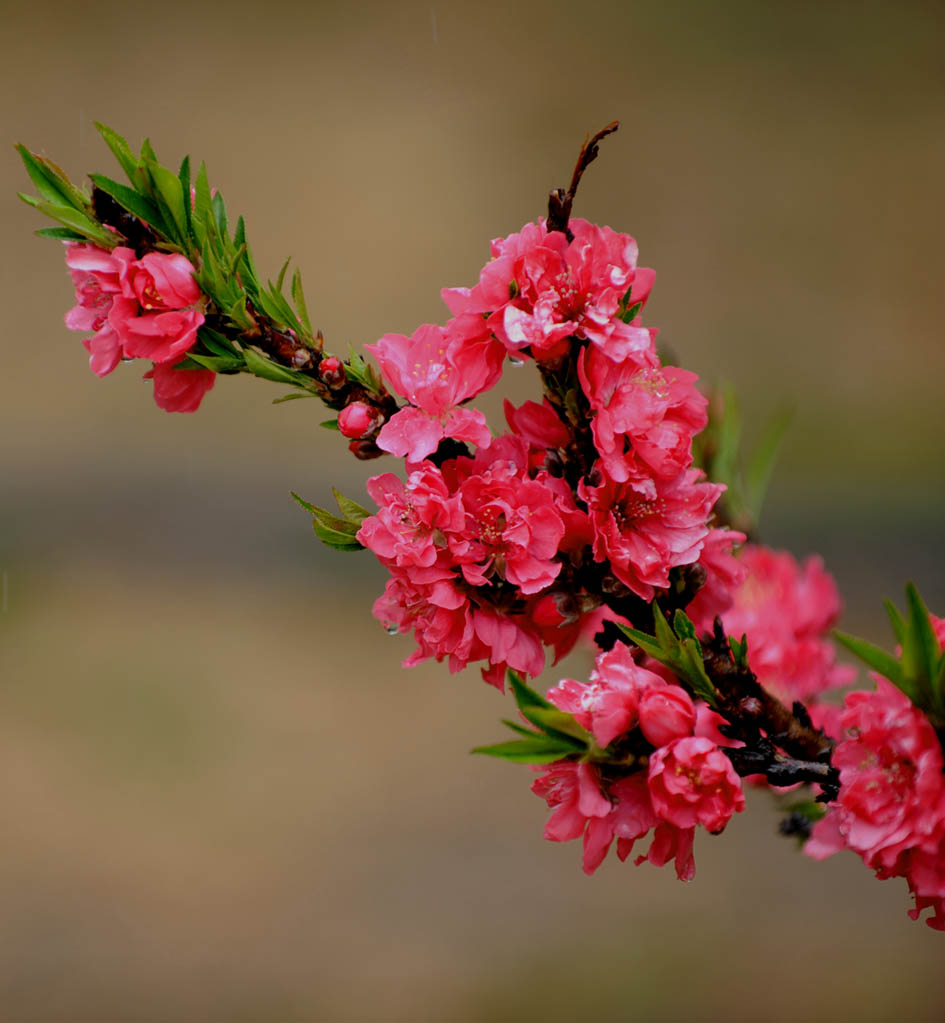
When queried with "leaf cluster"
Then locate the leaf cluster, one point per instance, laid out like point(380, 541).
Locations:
point(678, 648)
point(183, 215)
point(338, 531)
point(919, 668)
point(555, 734)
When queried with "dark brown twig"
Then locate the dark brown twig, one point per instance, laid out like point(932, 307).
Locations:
point(559, 201)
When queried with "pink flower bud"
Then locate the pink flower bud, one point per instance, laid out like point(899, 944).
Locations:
point(331, 371)
point(547, 612)
point(666, 713)
point(357, 420)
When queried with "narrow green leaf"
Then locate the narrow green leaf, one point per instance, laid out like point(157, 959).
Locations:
point(330, 424)
point(216, 343)
point(219, 214)
point(183, 176)
point(696, 676)
point(558, 723)
point(120, 149)
point(218, 363)
point(65, 234)
point(292, 397)
point(521, 729)
point(896, 620)
point(919, 621)
point(279, 280)
point(298, 296)
point(527, 751)
point(203, 203)
point(133, 201)
point(169, 189)
point(310, 508)
point(524, 695)
point(644, 641)
point(51, 186)
point(683, 626)
point(260, 366)
point(878, 660)
point(763, 459)
point(73, 219)
point(665, 635)
point(351, 510)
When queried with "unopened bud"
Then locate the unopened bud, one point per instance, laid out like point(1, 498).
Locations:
point(666, 713)
point(553, 610)
point(357, 420)
point(331, 371)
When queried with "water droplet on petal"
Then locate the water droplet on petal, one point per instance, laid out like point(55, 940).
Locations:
point(515, 361)
point(391, 629)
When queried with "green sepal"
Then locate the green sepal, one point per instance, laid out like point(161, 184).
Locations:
point(540, 750)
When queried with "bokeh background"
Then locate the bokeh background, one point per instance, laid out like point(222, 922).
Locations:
point(222, 797)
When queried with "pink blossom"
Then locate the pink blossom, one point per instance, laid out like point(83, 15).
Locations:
point(162, 281)
point(437, 369)
point(512, 530)
point(97, 275)
point(413, 519)
point(607, 705)
point(161, 337)
point(179, 390)
point(693, 782)
point(645, 415)
point(891, 806)
point(644, 537)
point(784, 609)
point(539, 289)
point(537, 424)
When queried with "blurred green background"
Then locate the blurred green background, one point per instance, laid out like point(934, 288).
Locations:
point(224, 800)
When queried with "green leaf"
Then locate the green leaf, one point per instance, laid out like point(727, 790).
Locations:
point(896, 620)
point(542, 750)
point(763, 459)
point(215, 342)
point(219, 214)
point(260, 366)
point(330, 424)
point(524, 695)
point(203, 203)
point(52, 186)
point(292, 397)
point(521, 729)
point(169, 189)
point(351, 510)
point(879, 661)
point(183, 176)
point(218, 363)
point(133, 201)
point(310, 508)
point(644, 641)
point(298, 296)
point(65, 234)
point(559, 724)
point(120, 149)
point(683, 625)
point(695, 673)
point(73, 219)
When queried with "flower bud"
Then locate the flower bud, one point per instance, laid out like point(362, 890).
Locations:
point(357, 420)
point(331, 371)
point(666, 713)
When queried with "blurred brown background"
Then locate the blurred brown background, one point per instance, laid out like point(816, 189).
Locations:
point(224, 800)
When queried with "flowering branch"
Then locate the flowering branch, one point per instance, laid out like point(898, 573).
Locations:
point(616, 501)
